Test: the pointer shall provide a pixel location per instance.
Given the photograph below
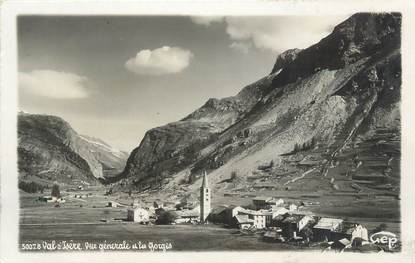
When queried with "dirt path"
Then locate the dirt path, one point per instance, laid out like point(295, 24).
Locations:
point(300, 177)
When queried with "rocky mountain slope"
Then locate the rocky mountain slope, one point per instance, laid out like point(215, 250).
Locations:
point(325, 118)
point(50, 150)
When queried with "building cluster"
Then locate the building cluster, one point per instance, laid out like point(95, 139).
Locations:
point(283, 222)
point(280, 221)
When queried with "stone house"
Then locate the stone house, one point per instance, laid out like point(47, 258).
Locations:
point(138, 214)
point(294, 223)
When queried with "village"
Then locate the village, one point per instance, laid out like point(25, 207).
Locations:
point(272, 219)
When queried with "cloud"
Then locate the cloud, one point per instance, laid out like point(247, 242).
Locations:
point(206, 20)
point(160, 61)
point(280, 33)
point(242, 47)
point(53, 84)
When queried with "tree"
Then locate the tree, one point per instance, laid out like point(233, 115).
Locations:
point(55, 191)
point(166, 218)
point(233, 175)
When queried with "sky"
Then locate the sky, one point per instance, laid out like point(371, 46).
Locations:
point(115, 77)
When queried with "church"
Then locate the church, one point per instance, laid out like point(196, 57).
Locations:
point(205, 195)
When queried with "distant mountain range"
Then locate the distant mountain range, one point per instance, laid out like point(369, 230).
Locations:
point(330, 112)
point(49, 150)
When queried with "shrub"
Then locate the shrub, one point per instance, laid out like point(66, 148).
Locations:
point(166, 218)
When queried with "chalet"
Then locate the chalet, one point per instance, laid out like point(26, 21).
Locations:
point(260, 202)
point(293, 224)
point(140, 215)
point(326, 227)
point(257, 217)
point(268, 216)
point(351, 231)
point(359, 231)
point(272, 213)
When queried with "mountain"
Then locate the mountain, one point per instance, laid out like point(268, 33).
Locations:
point(330, 112)
point(49, 150)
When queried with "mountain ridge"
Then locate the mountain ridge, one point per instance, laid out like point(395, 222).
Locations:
point(49, 150)
point(313, 107)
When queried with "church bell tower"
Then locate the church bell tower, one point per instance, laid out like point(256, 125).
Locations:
point(204, 199)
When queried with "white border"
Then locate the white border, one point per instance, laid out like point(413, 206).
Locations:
point(8, 103)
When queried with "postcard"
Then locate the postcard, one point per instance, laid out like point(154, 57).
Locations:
point(175, 131)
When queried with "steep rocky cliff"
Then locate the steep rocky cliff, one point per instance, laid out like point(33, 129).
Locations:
point(50, 150)
point(330, 111)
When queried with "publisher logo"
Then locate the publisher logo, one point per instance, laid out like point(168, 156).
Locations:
point(384, 238)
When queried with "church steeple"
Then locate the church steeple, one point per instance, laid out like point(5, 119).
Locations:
point(204, 199)
point(205, 180)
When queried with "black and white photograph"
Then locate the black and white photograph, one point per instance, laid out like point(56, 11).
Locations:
point(209, 133)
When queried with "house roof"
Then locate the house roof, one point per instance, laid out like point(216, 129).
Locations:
point(265, 212)
point(328, 223)
point(262, 198)
point(279, 210)
point(252, 212)
point(293, 219)
point(219, 209)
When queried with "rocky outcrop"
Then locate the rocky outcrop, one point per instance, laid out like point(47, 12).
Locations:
point(285, 58)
